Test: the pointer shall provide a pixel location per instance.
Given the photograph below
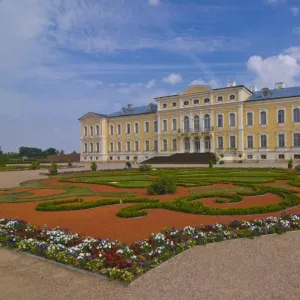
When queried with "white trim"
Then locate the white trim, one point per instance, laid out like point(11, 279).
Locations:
point(260, 110)
point(173, 124)
point(197, 100)
point(229, 113)
point(220, 114)
point(128, 149)
point(128, 123)
point(97, 128)
point(218, 144)
point(117, 126)
point(145, 126)
point(293, 137)
point(293, 108)
point(145, 148)
point(229, 144)
point(164, 139)
point(174, 139)
point(277, 139)
point(235, 98)
point(284, 116)
point(164, 104)
point(247, 124)
point(136, 146)
point(111, 129)
point(162, 125)
point(253, 141)
point(217, 98)
point(91, 127)
point(111, 146)
point(267, 140)
point(138, 127)
point(119, 149)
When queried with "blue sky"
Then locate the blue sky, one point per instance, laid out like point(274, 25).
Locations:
point(62, 58)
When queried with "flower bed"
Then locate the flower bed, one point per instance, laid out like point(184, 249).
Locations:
point(126, 262)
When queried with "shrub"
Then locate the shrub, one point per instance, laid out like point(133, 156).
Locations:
point(211, 164)
point(35, 165)
point(70, 163)
point(298, 168)
point(240, 161)
point(145, 168)
point(221, 162)
point(222, 155)
point(93, 166)
point(162, 186)
point(240, 155)
point(53, 169)
point(290, 164)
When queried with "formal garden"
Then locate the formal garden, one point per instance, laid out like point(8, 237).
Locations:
point(144, 216)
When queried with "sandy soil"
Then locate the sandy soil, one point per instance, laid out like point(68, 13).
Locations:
point(265, 268)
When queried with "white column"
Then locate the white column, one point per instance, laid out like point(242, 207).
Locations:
point(212, 145)
point(212, 118)
point(201, 119)
point(202, 146)
point(192, 145)
point(191, 122)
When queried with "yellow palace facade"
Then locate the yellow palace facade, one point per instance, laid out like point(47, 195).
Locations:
point(240, 123)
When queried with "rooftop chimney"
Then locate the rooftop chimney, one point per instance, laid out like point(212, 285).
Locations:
point(231, 83)
point(253, 88)
point(279, 85)
point(129, 105)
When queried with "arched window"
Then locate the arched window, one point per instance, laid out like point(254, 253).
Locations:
point(174, 104)
point(206, 100)
point(232, 97)
point(231, 119)
point(220, 98)
point(220, 120)
point(197, 144)
point(165, 105)
point(296, 114)
point(207, 121)
point(97, 130)
point(186, 103)
point(186, 124)
point(196, 101)
point(187, 145)
point(196, 123)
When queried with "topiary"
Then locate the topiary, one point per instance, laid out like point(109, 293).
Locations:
point(297, 168)
point(162, 186)
point(93, 166)
point(70, 163)
point(290, 164)
point(211, 164)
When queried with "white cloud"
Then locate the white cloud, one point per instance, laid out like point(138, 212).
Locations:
point(154, 2)
point(213, 83)
point(283, 67)
point(274, 1)
point(151, 83)
point(173, 79)
point(294, 11)
point(296, 30)
point(294, 52)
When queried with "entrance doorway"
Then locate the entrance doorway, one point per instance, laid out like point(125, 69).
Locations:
point(207, 144)
point(197, 144)
point(187, 146)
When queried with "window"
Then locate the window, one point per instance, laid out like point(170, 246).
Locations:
point(232, 97)
point(174, 104)
point(91, 147)
point(84, 158)
point(155, 145)
point(281, 156)
point(111, 130)
point(110, 158)
point(119, 147)
point(232, 142)
point(165, 125)
point(207, 122)
point(111, 147)
point(263, 141)
point(97, 158)
point(91, 130)
point(186, 103)
point(136, 146)
point(281, 116)
point(220, 120)
point(206, 100)
point(147, 146)
point(220, 142)
point(85, 131)
point(263, 156)
point(97, 147)
point(97, 130)
point(250, 141)
point(128, 128)
point(196, 101)
point(127, 157)
point(147, 127)
point(165, 105)
point(136, 127)
point(174, 144)
point(296, 156)
point(155, 126)
point(85, 147)
point(249, 156)
point(297, 139)
point(296, 114)
point(232, 119)
point(250, 119)
point(118, 129)
point(165, 145)
point(220, 98)
point(118, 158)
point(281, 140)
point(174, 124)
point(186, 124)
point(196, 123)
point(263, 118)
point(128, 146)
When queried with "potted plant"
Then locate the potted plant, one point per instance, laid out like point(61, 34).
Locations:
point(240, 156)
point(221, 162)
point(135, 159)
point(93, 166)
point(70, 163)
point(211, 164)
point(290, 164)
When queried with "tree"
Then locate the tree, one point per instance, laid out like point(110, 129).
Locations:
point(1, 152)
point(30, 152)
point(62, 152)
point(74, 152)
point(50, 151)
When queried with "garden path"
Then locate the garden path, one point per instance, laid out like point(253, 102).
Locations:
point(263, 268)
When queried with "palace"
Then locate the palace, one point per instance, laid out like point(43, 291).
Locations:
point(240, 123)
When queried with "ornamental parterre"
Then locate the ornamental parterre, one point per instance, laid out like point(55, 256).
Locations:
point(126, 262)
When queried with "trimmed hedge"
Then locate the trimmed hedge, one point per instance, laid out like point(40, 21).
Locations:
point(162, 186)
